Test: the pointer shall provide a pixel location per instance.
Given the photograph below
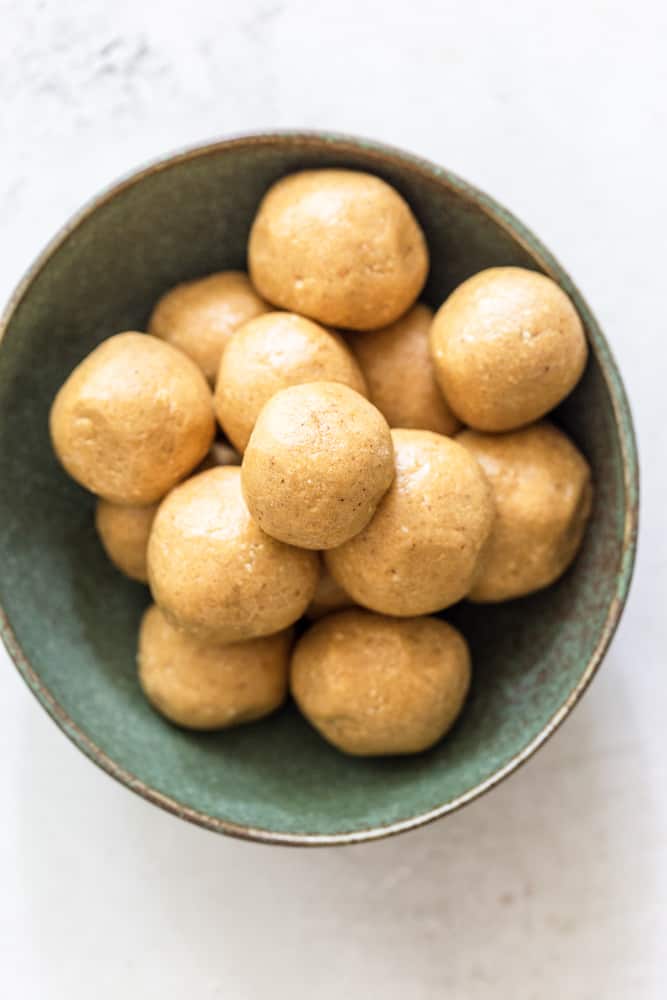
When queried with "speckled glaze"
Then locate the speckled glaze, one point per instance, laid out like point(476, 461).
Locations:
point(70, 620)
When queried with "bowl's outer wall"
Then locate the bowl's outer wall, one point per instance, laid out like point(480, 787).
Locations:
point(75, 618)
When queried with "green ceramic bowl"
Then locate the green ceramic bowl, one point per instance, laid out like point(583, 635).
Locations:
point(70, 621)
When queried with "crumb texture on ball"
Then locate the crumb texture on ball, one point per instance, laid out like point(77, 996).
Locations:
point(272, 353)
point(340, 246)
point(124, 533)
point(508, 346)
point(204, 685)
point(398, 368)
point(543, 496)
point(132, 419)
point(200, 316)
point(215, 573)
point(319, 461)
point(373, 685)
point(420, 551)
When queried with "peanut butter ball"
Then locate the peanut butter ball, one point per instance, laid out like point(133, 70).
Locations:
point(215, 573)
point(329, 596)
point(132, 419)
point(542, 489)
point(396, 362)
point(318, 463)
point(200, 316)
point(508, 345)
point(375, 685)
point(271, 353)
point(340, 246)
point(124, 533)
point(204, 685)
point(420, 551)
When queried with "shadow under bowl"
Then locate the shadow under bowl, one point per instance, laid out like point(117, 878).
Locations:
point(70, 620)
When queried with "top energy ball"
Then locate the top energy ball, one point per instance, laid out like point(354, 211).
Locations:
point(339, 246)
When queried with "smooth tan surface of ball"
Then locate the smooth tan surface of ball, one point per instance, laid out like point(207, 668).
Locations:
point(124, 533)
point(543, 495)
point(421, 550)
point(329, 596)
point(132, 419)
point(200, 316)
point(397, 364)
point(319, 461)
point(203, 685)
point(373, 685)
point(215, 573)
point(340, 246)
point(271, 353)
point(508, 346)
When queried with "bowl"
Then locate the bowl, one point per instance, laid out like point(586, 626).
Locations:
point(69, 620)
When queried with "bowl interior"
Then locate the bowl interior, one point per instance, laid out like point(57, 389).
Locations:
point(72, 620)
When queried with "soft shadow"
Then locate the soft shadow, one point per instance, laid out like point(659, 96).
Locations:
point(521, 894)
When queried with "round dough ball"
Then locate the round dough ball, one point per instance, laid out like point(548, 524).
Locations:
point(132, 419)
point(319, 461)
point(271, 353)
point(420, 552)
point(203, 685)
point(396, 362)
point(329, 596)
point(543, 495)
point(200, 316)
point(338, 245)
point(214, 572)
point(508, 345)
point(374, 685)
point(124, 533)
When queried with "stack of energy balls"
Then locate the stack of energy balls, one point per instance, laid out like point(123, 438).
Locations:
point(387, 471)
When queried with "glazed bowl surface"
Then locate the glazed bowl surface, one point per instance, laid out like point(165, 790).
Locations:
point(70, 620)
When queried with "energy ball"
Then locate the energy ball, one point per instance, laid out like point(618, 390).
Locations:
point(214, 572)
point(319, 461)
point(396, 362)
point(124, 533)
point(203, 685)
point(329, 596)
point(132, 419)
point(543, 495)
point(508, 345)
point(200, 316)
point(374, 685)
point(271, 353)
point(421, 550)
point(340, 246)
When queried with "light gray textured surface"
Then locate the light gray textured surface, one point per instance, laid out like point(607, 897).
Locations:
point(555, 885)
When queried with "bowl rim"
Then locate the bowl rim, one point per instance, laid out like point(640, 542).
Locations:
point(433, 173)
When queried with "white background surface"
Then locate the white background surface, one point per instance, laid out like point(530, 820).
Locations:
point(552, 886)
